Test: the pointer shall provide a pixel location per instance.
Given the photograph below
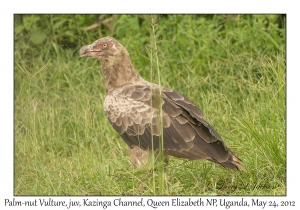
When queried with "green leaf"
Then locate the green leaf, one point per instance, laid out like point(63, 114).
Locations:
point(37, 37)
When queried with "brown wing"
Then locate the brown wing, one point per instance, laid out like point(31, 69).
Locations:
point(206, 139)
point(133, 113)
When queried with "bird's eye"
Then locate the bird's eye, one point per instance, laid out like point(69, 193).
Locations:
point(104, 45)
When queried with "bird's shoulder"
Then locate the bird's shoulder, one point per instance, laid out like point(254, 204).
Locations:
point(129, 106)
point(141, 97)
point(124, 97)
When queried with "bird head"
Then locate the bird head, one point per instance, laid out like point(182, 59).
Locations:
point(103, 49)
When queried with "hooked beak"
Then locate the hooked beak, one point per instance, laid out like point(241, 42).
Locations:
point(87, 51)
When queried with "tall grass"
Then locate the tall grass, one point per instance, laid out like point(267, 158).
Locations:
point(231, 66)
point(155, 59)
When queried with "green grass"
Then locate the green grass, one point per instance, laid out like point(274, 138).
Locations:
point(232, 67)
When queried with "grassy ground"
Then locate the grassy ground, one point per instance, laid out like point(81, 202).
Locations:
point(233, 67)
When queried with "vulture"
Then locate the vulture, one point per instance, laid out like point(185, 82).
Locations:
point(141, 112)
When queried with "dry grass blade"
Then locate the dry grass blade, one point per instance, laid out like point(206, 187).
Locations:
point(29, 74)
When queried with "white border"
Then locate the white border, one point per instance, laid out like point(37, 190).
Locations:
point(154, 6)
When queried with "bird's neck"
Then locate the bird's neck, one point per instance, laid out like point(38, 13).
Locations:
point(118, 72)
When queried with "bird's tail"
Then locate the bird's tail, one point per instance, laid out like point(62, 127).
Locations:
point(233, 162)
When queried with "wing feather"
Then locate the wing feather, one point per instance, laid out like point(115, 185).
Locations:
point(134, 114)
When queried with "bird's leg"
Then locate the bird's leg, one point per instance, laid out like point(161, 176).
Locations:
point(139, 157)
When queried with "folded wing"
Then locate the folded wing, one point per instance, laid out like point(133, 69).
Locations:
point(134, 113)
